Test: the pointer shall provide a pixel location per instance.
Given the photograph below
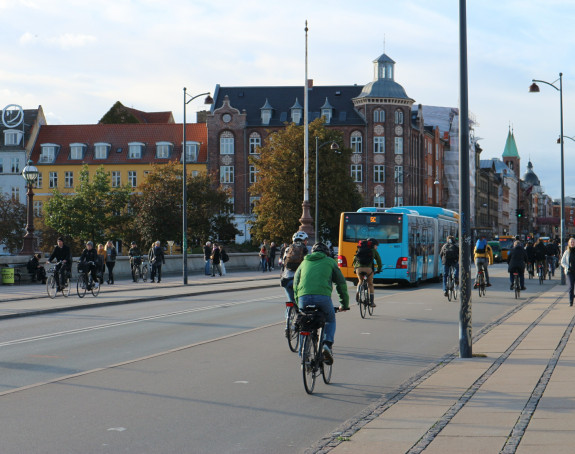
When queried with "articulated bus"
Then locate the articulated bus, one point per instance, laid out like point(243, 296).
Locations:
point(410, 238)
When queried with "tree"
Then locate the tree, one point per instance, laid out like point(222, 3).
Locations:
point(95, 212)
point(158, 207)
point(12, 222)
point(280, 183)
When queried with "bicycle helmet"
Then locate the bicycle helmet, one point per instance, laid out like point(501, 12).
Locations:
point(299, 236)
point(320, 247)
point(372, 242)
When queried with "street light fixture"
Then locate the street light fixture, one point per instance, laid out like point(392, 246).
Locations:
point(208, 100)
point(30, 174)
point(534, 88)
point(334, 146)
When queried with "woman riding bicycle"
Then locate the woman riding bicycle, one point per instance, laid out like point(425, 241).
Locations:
point(363, 262)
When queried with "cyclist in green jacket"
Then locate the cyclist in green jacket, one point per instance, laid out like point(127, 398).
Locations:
point(313, 285)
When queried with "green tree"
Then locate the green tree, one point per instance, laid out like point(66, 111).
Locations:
point(280, 182)
point(94, 212)
point(12, 222)
point(158, 207)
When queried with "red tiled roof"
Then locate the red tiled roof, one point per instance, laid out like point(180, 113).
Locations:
point(151, 117)
point(118, 136)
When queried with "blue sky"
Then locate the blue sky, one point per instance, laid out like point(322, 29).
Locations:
point(76, 58)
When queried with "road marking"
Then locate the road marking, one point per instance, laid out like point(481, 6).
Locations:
point(242, 382)
point(116, 429)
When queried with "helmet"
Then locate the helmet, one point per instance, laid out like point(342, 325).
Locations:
point(372, 242)
point(299, 236)
point(133, 243)
point(320, 247)
point(89, 243)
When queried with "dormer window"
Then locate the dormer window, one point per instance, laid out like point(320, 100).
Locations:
point(296, 112)
point(163, 150)
point(12, 137)
point(135, 150)
point(192, 151)
point(101, 150)
point(266, 112)
point(48, 153)
point(327, 110)
point(77, 151)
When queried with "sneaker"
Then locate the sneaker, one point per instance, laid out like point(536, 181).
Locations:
point(488, 284)
point(96, 285)
point(475, 285)
point(523, 288)
point(444, 293)
point(327, 355)
point(372, 305)
point(152, 281)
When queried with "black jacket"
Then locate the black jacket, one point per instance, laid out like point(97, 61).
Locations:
point(517, 259)
point(157, 255)
point(90, 255)
point(451, 250)
point(61, 253)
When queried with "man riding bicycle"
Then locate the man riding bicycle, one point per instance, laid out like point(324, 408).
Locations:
point(363, 262)
point(313, 285)
point(63, 255)
point(540, 254)
point(483, 256)
point(135, 258)
point(449, 258)
point(552, 254)
point(517, 259)
point(530, 251)
point(90, 262)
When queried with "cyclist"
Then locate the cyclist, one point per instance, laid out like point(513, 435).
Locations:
point(517, 259)
point(90, 262)
point(363, 262)
point(135, 258)
point(530, 250)
point(291, 260)
point(551, 252)
point(313, 285)
point(483, 256)
point(449, 258)
point(568, 264)
point(62, 254)
point(540, 253)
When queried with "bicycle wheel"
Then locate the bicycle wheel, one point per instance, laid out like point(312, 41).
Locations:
point(81, 285)
point(454, 293)
point(517, 288)
point(540, 272)
point(51, 287)
point(95, 289)
point(449, 287)
point(137, 273)
point(479, 284)
point(145, 273)
point(370, 308)
point(291, 332)
point(363, 299)
point(66, 290)
point(308, 360)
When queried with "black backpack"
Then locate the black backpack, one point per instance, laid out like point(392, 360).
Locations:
point(451, 252)
point(364, 253)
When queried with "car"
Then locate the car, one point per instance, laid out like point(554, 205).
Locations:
point(496, 248)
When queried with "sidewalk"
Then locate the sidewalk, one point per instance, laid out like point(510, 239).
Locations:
point(516, 396)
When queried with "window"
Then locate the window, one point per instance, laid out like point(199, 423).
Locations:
point(163, 150)
point(296, 115)
point(116, 179)
point(226, 174)
point(135, 150)
point(255, 143)
point(132, 178)
point(398, 117)
point(195, 173)
point(16, 193)
point(253, 202)
point(77, 150)
point(356, 173)
point(37, 209)
point(253, 174)
point(101, 150)
point(12, 137)
point(15, 165)
point(227, 143)
point(379, 201)
point(48, 153)
point(398, 201)
point(398, 176)
point(399, 145)
point(379, 116)
point(379, 144)
point(327, 114)
point(39, 181)
point(379, 174)
point(53, 183)
point(192, 151)
point(356, 142)
point(231, 207)
point(69, 179)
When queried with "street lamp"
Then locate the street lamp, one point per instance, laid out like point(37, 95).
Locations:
point(534, 88)
point(334, 146)
point(30, 174)
point(208, 100)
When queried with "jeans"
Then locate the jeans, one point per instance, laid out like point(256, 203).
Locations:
point(264, 263)
point(446, 273)
point(110, 266)
point(216, 267)
point(289, 290)
point(483, 261)
point(207, 267)
point(571, 278)
point(325, 304)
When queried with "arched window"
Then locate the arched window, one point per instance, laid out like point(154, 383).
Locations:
point(398, 117)
point(227, 143)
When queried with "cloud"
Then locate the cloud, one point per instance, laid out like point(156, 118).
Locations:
point(65, 41)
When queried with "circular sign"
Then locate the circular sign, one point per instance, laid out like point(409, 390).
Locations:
point(12, 116)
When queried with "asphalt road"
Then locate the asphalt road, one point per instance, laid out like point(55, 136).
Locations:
point(212, 373)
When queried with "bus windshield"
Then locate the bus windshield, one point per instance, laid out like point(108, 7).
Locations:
point(384, 227)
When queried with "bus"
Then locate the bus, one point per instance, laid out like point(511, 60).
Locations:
point(410, 238)
point(506, 244)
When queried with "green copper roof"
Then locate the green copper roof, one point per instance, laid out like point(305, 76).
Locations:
point(510, 146)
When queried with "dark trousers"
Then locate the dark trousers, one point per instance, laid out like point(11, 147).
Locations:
point(519, 271)
point(110, 266)
point(156, 268)
point(571, 277)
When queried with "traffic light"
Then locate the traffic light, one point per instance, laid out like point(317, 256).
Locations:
point(520, 213)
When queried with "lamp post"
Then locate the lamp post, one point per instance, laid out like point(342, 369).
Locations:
point(334, 146)
point(534, 88)
point(30, 174)
point(208, 100)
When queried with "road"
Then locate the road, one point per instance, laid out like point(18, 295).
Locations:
point(212, 373)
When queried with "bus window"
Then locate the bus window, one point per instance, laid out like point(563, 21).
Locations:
point(385, 227)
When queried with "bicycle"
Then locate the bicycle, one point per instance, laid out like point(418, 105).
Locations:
point(86, 283)
point(530, 270)
point(138, 268)
point(450, 285)
point(51, 285)
point(364, 297)
point(312, 322)
point(540, 273)
point(481, 284)
point(516, 285)
point(550, 267)
point(292, 327)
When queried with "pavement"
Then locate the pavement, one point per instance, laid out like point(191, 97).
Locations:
point(515, 395)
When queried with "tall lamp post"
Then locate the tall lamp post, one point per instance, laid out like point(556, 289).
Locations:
point(208, 100)
point(334, 146)
point(30, 174)
point(534, 88)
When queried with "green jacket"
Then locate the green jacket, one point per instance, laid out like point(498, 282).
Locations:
point(316, 276)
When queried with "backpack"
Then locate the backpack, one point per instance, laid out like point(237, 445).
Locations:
point(225, 256)
point(364, 253)
point(294, 255)
point(480, 246)
point(451, 252)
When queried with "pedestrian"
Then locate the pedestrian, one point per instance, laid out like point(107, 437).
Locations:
point(272, 256)
point(282, 252)
point(568, 264)
point(224, 257)
point(102, 262)
point(517, 260)
point(37, 271)
point(157, 259)
point(207, 255)
point(264, 249)
point(110, 261)
point(216, 259)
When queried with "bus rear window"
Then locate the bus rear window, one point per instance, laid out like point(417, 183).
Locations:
point(384, 227)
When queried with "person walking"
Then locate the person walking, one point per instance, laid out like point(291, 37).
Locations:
point(101, 261)
point(264, 251)
point(568, 264)
point(111, 255)
point(156, 258)
point(272, 256)
point(207, 255)
point(224, 257)
point(216, 259)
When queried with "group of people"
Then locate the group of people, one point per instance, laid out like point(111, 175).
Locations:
point(215, 258)
point(267, 256)
point(155, 257)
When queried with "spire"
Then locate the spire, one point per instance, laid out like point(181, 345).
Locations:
point(510, 150)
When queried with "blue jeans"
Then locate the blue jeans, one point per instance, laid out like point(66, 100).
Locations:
point(446, 272)
point(289, 291)
point(207, 270)
point(325, 304)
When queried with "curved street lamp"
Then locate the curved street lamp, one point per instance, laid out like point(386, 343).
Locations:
point(30, 174)
point(334, 146)
point(208, 100)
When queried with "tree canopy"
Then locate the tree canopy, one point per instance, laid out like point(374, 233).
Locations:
point(12, 222)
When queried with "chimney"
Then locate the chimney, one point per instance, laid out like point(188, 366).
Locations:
point(310, 84)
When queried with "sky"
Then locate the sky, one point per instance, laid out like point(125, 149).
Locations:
point(76, 58)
